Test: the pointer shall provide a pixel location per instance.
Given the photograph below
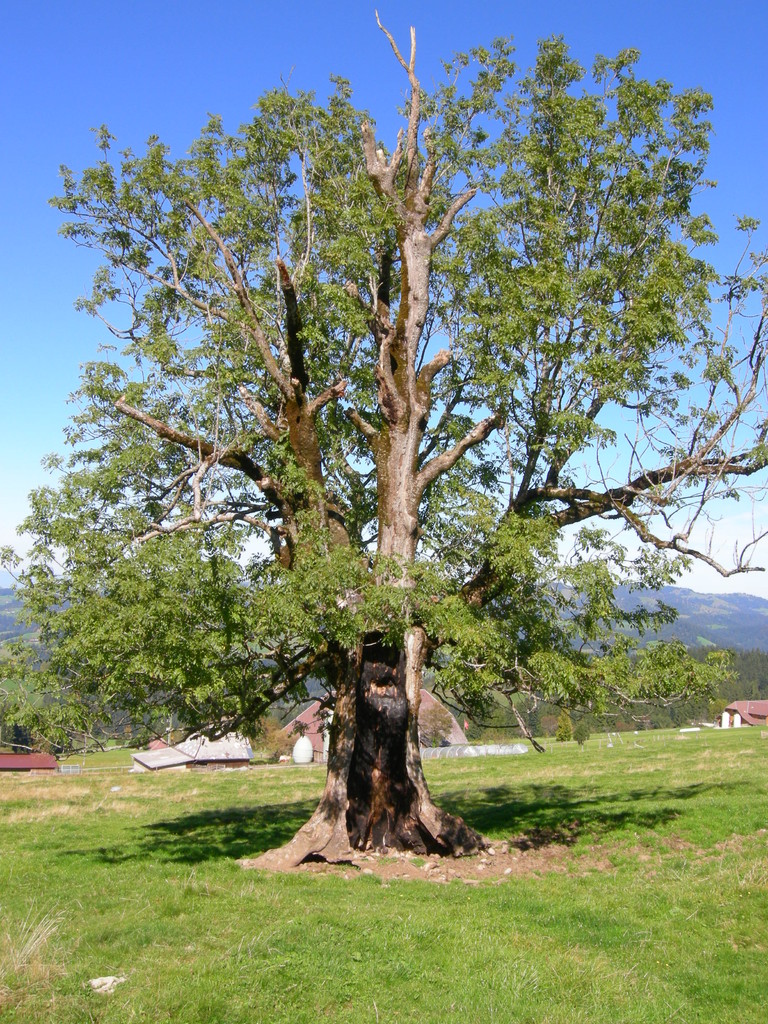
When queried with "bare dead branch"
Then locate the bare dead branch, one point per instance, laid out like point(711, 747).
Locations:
point(441, 463)
point(381, 171)
point(523, 726)
point(409, 68)
point(258, 410)
point(428, 174)
point(444, 227)
point(414, 116)
point(430, 370)
point(195, 522)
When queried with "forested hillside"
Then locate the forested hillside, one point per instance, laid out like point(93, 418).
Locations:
point(751, 683)
point(9, 610)
point(736, 621)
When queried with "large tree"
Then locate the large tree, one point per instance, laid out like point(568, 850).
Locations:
point(381, 408)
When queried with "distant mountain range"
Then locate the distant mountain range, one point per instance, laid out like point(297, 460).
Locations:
point(9, 609)
point(739, 621)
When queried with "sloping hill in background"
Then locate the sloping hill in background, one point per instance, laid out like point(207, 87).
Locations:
point(9, 609)
point(738, 621)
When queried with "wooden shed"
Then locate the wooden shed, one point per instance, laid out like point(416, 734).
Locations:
point(37, 764)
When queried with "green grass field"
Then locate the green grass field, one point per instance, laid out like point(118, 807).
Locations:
point(114, 757)
point(643, 897)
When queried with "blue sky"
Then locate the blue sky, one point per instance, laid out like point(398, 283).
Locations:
point(160, 67)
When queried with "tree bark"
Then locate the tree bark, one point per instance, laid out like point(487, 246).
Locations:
point(376, 798)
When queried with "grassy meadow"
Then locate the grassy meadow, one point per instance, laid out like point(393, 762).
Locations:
point(641, 896)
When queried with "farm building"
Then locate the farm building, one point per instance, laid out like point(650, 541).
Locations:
point(232, 751)
point(745, 712)
point(35, 763)
point(456, 734)
point(312, 722)
point(165, 758)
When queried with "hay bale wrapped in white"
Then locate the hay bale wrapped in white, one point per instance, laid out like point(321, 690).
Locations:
point(302, 751)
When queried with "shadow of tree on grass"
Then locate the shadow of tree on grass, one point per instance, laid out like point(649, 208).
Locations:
point(531, 817)
point(231, 832)
point(542, 815)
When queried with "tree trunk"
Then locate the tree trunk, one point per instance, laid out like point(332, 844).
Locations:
point(376, 797)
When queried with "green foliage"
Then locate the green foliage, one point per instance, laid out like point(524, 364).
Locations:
point(564, 730)
point(212, 541)
point(581, 731)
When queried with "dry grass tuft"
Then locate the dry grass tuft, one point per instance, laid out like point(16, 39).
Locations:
point(41, 812)
point(23, 949)
point(52, 787)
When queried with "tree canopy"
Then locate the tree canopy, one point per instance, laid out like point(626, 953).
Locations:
point(435, 399)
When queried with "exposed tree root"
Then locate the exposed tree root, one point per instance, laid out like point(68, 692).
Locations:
point(325, 838)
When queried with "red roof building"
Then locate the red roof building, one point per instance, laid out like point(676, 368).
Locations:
point(753, 712)
point(28, 763)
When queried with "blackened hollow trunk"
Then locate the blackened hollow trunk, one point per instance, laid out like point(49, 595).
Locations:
point(383, 800)
point(376, 797)
point(380, 794)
